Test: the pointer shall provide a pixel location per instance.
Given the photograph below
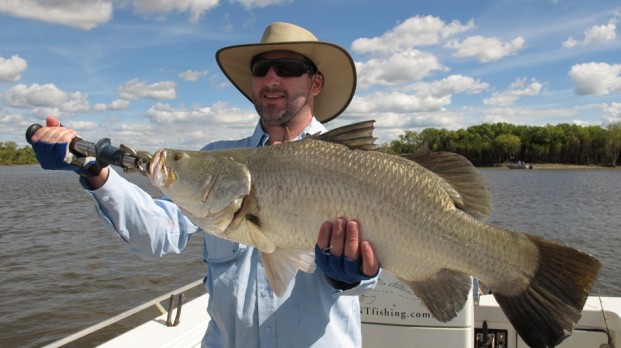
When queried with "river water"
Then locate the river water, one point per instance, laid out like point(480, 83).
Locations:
point(61, 271)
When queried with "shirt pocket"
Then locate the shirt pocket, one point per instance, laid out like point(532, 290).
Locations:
point(219, 250)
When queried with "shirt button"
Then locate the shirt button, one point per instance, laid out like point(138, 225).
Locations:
point(268, 330)
point(263, 293)
point(105, 198)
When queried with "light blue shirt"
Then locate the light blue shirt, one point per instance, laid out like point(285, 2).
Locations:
point(244, 310)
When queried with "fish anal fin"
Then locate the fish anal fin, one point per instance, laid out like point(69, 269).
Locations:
point(444, 295)
point(547, 311)
point(282, 265)
point(356, 136)
point(470, 192)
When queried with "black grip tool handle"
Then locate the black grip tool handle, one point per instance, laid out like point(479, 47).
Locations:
point(31, 131)
point(103, 151)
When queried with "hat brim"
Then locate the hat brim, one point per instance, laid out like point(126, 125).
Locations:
point(333, 62)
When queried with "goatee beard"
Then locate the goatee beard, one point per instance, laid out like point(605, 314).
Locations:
point(272, 115)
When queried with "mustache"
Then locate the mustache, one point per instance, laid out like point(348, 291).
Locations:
point(274, 90)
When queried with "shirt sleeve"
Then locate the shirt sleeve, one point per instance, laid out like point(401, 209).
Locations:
point(151, 227)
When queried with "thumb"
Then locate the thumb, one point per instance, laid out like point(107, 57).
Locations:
point(52, 121)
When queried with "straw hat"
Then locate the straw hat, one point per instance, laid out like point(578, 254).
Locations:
point(333, 62)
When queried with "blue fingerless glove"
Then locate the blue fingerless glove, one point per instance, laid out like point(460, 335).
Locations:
point(341, 269)
point(58, 157)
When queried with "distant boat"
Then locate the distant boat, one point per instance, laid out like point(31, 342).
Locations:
point(519, 165)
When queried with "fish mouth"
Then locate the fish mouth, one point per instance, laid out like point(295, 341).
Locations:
point(160, 174)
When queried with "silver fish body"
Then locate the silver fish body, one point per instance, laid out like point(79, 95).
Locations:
point(422, 216)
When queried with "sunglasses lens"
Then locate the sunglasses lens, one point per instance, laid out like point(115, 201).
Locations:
point(282, 67)
point(260, 67)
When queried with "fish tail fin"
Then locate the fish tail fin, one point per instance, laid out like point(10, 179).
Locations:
point(547, 311)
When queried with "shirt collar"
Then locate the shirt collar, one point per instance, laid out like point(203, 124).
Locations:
point(260, 138)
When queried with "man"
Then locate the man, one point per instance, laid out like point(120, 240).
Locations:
point(295, 82)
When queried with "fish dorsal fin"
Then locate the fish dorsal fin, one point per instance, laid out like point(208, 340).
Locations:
point(444, 295)
point(282, 265)
point(467, 188)
point(356, 136)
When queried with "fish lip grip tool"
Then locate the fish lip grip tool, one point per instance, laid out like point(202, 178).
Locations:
point(105, 154)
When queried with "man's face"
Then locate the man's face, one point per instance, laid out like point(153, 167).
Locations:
point(279, 99)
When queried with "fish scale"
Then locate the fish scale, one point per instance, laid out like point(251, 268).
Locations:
point(422, 214)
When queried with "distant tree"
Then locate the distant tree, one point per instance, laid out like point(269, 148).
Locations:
point(507, 147)
point(409, 142)
point(613, 144)
point(10, 153)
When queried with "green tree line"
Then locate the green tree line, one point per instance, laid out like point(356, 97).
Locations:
point(10, 153)
point(490, 144)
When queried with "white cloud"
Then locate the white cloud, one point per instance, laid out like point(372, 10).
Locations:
point(118, 104)
point(192, 75)
point(82, 125)
point(396, 102)
point(135, 89)
point(595, 35)
point(570, 42)
point(35, 95)
point(414, 31)
point(516, 90)
point(10, 119)
point(406, 66)
point(418, 104)
point(486, 49)
point(612, 113)
point(83, 14)
point(449, 85)
point(11, 69)
point(596, 78)
point(219, 112)
point(248, 4)
point(195, 7)
point(45, 99)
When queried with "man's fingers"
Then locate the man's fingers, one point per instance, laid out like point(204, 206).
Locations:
point(352, 241)
point(323, 240)
point(52, 121)
point(337, 239)
point(57, 135)
point(370, 266)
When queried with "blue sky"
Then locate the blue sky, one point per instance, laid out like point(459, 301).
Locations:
point(143, 72)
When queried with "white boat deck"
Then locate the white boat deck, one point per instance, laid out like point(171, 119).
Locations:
point(381, 325)
point(590, 331)
point(155, 333)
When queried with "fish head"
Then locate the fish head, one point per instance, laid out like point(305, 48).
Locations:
point(208, 186)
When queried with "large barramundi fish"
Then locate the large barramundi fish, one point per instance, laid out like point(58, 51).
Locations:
point(422, 215)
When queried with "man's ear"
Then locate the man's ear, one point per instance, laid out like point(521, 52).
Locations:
point(317, 83)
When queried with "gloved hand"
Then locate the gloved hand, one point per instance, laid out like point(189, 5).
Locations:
point(343, 256)
point(56, 156)
point(340, 268)
point(51, 146)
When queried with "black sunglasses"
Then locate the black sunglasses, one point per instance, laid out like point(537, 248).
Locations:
point(284, 67)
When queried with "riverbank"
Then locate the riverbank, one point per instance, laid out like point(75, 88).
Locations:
point(568, 166)
point(560, 166)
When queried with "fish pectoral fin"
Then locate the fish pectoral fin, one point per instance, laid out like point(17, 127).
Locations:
point(258, 238)
point(445, 294)
point(282, 265)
